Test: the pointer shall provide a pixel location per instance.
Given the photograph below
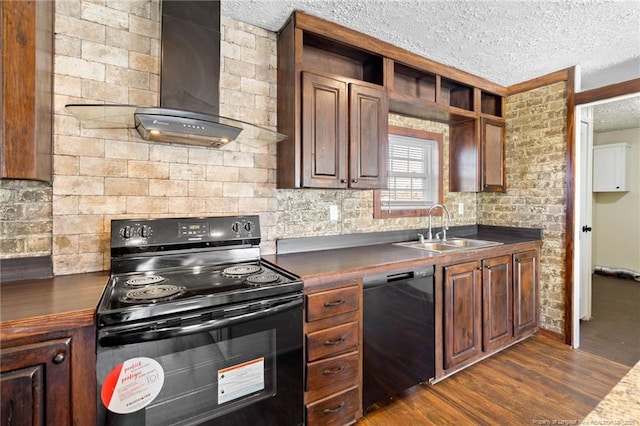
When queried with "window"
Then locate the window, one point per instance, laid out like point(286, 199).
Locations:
point(414, 173)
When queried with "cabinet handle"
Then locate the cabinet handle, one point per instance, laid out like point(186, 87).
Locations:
point(355, 181)
point(334, 342)
point(334, 410)
point(334, 303)
point(59, 358)
point(343, 181)
point(488, 267)
point(334, 370)
point(517, 259)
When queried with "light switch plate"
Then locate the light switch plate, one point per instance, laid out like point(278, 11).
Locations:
point(333, 212)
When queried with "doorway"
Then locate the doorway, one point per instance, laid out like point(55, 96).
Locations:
point(600, 308)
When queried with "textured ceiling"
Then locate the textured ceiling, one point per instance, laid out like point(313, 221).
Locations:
point(506, 42)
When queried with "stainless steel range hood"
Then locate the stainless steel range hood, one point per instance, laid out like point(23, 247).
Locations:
point(189, 87)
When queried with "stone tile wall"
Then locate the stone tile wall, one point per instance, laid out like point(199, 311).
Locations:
point(536, 187)
point(109, 52)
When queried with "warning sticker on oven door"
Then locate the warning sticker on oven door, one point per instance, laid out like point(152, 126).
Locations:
point(240, 380)
point(132, 385)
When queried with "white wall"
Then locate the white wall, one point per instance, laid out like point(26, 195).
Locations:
point(616, 215)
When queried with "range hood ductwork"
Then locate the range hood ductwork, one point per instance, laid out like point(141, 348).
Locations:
point(189, 90)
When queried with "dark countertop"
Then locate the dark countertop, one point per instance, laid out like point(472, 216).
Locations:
point(320, 266)
point(40, 306)
point(69, 301)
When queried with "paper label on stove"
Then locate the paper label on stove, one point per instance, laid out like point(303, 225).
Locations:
point(132, 385)
point(240, 380)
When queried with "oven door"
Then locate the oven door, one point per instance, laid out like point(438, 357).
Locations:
point(237, 365)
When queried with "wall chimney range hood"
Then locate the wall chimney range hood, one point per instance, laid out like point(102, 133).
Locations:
point(189, 87)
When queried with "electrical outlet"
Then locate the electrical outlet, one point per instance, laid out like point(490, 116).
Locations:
point(333, 213)
point(460, 209)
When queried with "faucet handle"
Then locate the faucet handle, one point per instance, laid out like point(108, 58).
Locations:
point(421, 237)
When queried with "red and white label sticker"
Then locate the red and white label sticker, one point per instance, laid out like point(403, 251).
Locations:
point(132, 385)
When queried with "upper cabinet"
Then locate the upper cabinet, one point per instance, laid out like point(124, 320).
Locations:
point(26, 90)
point(611, 167)
point(334, 109)
point(336, 88)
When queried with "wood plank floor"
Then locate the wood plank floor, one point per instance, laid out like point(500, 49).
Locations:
point(612, 331)
point(538, 380)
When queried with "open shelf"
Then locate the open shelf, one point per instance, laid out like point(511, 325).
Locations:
point(321, 54)
point(491, 104)
point(414, 83)
point(456, 95)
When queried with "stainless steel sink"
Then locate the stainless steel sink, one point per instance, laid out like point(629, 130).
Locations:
point(453, 244)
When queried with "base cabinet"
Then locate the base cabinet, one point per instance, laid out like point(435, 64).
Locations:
point(36, 383)
point(48, 380)
point(487, 305)
point(332, 346)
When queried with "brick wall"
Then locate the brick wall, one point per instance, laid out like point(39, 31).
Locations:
point(25, 219)
point(536, 187)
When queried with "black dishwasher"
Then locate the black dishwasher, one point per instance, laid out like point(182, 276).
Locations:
point(398, 333)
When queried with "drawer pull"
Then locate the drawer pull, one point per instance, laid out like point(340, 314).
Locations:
point(334, 410)
point(334, 342)
point(334, 370)
point(334, 303)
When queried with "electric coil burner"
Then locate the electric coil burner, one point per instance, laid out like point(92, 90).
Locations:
point(162, 266)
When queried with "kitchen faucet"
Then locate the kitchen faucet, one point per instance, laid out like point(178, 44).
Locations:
point(444, 227)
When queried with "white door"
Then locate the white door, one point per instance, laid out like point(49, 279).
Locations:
point(586, 201)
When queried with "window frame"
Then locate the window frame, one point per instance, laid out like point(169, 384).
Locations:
point(379, 212)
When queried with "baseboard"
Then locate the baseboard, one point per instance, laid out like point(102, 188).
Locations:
point(551, 335)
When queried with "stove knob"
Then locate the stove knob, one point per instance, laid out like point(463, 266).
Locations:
point(235, 227)
point(127, 232)
point(248, 226)
point(145, 231)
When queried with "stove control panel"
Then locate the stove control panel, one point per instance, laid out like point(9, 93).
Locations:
point(223, 230)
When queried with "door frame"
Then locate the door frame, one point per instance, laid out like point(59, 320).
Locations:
point(572, 259)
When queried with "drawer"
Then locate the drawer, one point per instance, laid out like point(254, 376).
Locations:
point(338, 409)
point(332, 302)
point(337, 372)
point(332, 340)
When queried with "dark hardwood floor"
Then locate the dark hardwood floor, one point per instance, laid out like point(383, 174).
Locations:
point(540, 379)
point(613, 331)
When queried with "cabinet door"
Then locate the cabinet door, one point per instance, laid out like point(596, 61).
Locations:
point(36, 384)
point(525, 298)
point(610, 168)
point(462, 313)
point(368, 137)
point(493, 158)
point(497, 302)
point(324, 132)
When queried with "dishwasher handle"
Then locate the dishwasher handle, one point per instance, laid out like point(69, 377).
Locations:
point(373, 281)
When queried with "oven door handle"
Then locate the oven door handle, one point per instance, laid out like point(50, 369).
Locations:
point(122, 337)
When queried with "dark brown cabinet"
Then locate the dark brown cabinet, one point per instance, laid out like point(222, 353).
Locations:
point(334, 109)
point(477, 156)
point(525, 286)
point(36, 383)
point(497, 306)
point(26, 89)
point(493, 155)
point(332, 345)
point(462, 313)
point(487, 305)
point(48, 379)
point(344, 134)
